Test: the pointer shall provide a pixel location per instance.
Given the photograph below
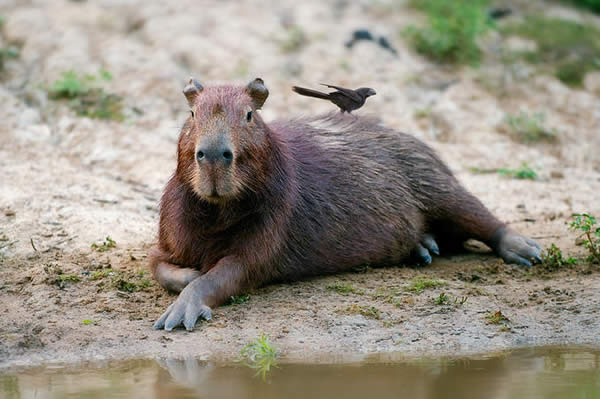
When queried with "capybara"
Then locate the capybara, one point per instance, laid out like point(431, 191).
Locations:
point(251, 203)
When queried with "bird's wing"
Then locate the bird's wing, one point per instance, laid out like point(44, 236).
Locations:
point(351, 94)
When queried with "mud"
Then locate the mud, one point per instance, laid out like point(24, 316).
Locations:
point(67, 182)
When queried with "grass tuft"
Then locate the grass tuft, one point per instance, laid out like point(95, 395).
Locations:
point(344, 289)
point(553, 259)
point(570, 49)
point(522, 173)
point(86, 98)
point(238, 300)
point(529, 128)
point(419, 284)
point(496, 318)
point(105, 246)
point(452, 31)
point(260, 355)
point(369, 312)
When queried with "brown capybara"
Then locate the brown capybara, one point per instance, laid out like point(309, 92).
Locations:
point(251, 203)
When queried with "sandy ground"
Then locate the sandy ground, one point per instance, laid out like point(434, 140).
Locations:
point(67, 182)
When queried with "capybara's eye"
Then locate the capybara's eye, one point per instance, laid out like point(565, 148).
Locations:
point(199, 155)
point(249, 116)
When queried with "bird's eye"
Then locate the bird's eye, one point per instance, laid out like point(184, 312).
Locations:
point(249, 116)
point(192, 112)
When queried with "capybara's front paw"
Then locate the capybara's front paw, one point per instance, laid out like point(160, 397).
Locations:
point(516, 249)
point(185, 310)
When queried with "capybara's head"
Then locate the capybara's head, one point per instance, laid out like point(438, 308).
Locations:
point(223, 147)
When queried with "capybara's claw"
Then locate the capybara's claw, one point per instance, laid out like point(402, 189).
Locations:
point(423, 255)
point(429, 242)
point(184, 313)
point(519, 250)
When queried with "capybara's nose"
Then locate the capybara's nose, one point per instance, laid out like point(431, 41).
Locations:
point(216, 154)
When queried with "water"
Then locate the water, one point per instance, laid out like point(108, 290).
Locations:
point(549, 373)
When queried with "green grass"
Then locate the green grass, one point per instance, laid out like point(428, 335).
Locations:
point(420, 284)
point(85, 97)
point(442, 299)
point(100, 274)
point(452, 30)
point(496, 318)
point(123, 281)
point(553, 259)
point(589, 230)
point(69, 277)
point(567, 48)
point(529, 128)
point(87, 322)
point(238, 300)
point(524, 172)
point(369, 312)
point(260, 355)
point(105, 246)
point(344, 289)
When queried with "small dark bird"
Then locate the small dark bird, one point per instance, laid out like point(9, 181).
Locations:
point(347, 99)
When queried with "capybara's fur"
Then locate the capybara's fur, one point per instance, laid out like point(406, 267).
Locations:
point(302, 197)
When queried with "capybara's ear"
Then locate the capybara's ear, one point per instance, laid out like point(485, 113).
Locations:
point(258, 92)
point(192, 90)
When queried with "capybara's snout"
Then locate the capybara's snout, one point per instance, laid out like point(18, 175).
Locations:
point(214, 152)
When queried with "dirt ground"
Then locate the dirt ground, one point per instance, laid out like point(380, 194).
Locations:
point(67, 182)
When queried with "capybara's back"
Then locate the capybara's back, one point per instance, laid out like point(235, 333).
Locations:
point(252, 203)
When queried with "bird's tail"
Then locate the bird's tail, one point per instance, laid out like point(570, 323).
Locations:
point(310, 93)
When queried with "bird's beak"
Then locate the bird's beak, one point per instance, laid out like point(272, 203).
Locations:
point(372, 92)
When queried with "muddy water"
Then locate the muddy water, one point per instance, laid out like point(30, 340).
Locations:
point(549, 373)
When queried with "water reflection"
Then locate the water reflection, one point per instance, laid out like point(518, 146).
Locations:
point(531, 373)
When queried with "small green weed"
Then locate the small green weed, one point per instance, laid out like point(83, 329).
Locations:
point(442, 299)
point(69, 277)
point(496, 318)
point(419, 284)
point(529, 128)
point(344, 289)
point(105, 246)
point(523, 172)
point(123, 281)
point(238, 300)
point(102, 273)
point(452, 31)
point(126, 285)
point(260, 355)
point(370, 312)
point(85, 98)
point(589, 230)
point(87, 322)
point(460, 301)
point(553, 259)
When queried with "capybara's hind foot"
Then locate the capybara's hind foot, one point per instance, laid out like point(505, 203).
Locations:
point(516, 249)
point(422, 251)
